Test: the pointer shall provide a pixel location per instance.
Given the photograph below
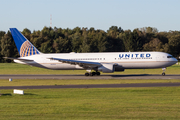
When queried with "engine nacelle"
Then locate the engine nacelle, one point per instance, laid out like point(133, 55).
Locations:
point(118, 68)
point(106, 68)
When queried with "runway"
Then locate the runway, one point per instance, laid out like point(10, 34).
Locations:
point(80, 76)
point(94, 86)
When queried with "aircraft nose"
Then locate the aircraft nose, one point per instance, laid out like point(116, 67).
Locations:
point(175, 60)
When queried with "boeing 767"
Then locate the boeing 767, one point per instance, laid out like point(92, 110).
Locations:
point(106, 62)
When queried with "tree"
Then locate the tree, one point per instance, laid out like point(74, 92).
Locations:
point(149, 30)
point(174, 43)
point(93, 43)
point(85, 42)
point(26, 32)
point(1, 35)
point(115, 28)
point(127, 38)
point(76, 42)
point(62, 45)
point(162, 36)
point(137, 40)
point(46, 47)
point(102, 41)
point(114, 42)
point(8, 48)
point(153, 45)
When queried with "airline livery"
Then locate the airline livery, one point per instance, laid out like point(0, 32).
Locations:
point(106, 62)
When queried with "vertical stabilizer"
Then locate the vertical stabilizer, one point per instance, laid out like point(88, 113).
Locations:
point(24, 46)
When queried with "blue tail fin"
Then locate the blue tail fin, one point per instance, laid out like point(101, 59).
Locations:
point(24, 46)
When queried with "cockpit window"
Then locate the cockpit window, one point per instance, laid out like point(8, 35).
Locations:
point(170, 57)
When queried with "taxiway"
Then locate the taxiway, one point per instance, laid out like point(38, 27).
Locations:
point(80, 76)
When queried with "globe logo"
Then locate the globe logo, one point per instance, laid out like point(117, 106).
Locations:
point(28, 49)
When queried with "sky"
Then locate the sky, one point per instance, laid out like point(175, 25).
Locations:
point(100, 14)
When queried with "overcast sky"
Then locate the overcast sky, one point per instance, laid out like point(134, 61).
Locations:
point(100, 14)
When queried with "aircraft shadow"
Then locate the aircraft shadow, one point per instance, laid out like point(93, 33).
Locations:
point(134, 75)
point(9, 94)
point(6, 94)
point(29, 94)
point(129, 75)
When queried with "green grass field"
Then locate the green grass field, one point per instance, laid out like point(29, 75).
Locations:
point(161, 103)
point(14, 68)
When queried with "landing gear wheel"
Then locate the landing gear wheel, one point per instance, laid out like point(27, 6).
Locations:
point(163, 74)
point(164, 69)
point(97, 73)
point(91, 74)
point(86, 74)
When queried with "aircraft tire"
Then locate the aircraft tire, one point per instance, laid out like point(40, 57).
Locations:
point(86, 74)
point(91, 74)
point(98, 73)
point(163, 74)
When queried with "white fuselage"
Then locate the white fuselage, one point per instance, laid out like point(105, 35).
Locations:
point(125, 60)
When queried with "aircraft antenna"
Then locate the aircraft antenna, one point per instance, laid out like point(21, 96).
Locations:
point(51, 20)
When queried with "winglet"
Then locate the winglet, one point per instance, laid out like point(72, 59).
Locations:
point(24, 46)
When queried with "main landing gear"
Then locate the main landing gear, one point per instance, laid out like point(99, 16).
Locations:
point(92, 73)
point(164, 69)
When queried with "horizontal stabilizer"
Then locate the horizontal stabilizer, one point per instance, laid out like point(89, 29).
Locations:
point(17, 59)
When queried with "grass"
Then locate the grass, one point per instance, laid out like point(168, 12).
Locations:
point(98, 104)
point(86, 104)
point(14, 68)
point(36, 82)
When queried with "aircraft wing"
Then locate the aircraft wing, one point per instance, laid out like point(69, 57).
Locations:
point(84, 64)
point(20, 59)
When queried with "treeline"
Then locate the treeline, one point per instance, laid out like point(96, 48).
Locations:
point(58, 40)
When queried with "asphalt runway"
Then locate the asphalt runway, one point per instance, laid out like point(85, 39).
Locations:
point(61, 77)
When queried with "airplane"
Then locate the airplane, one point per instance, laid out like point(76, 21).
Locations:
point(106, 62)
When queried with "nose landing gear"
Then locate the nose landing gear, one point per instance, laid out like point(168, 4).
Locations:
point(163, 74)
point(164, 69)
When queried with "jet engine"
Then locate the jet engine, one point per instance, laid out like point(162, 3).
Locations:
point(110, 68)
point(106, 68)
point(118, 68)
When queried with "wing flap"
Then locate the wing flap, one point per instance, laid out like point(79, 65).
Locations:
point(84, 64)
